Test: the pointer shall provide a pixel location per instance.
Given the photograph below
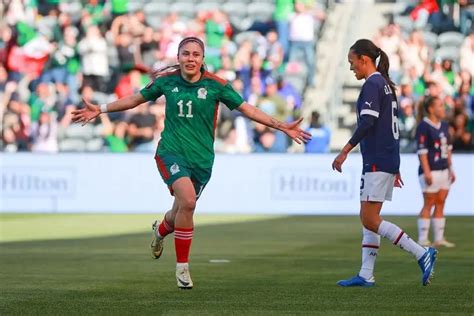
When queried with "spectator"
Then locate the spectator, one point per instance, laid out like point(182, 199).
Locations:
point(274, 51)
point(141, 128)
point(302, 39)
point(268, 141)
point(283, 10)
point(466, 16)
point(115, 135)
point(53, 52)
point(407, 126)
point(321, 136)
point(272, 103)
point(467, 54)
point(44, 133)
point(95, 65)
point(462, 137)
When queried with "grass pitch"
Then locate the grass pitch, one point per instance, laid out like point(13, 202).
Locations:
point(100, 264)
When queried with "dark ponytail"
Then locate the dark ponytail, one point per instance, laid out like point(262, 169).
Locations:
point(378, 57)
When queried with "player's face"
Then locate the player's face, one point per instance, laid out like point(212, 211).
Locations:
point(438, 110)
point(190, 58)
point(357, 65)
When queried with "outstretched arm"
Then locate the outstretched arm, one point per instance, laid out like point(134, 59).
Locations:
point(91, 111)
point(290, 129)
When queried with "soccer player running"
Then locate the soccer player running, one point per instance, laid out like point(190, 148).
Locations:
point(435, 171)
point(378, 135)
point(185, 154)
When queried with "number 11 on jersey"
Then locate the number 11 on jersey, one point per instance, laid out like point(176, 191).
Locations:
point(189, 104)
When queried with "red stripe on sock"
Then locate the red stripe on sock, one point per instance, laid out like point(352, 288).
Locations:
point(182, 243)
point(398, 238)
point(370, 246)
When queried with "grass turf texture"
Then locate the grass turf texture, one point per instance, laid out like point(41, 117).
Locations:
point(60, 264)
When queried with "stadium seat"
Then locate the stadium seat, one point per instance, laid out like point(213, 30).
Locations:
point(207, 6)
point(135, 6)
point(453, 39)
point(184, 9)
point(77, 131)
point(447, 52)
point(95, 144)
point(235, 9)
point(241, 24)
point(431, 39)
point(72, 145)
point(246, 36)
point(261, 11)
point(155, 9)
point(405, 23)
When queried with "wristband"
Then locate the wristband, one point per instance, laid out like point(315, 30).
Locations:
point(103, 108)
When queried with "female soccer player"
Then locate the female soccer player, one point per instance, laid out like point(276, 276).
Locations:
point(377, 132)
point(435, 172)
point(185, 154)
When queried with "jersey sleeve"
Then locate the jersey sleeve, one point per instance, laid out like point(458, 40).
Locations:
point(370, 99)
point(422, 139)
point(230, 97)
point(153, 90)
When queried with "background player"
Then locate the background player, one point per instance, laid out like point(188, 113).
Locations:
point(435, 171)
point(377, 132)
point(185, 154)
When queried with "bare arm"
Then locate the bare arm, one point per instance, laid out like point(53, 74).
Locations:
point(126, 103)
point(91, 111)
point(255, 114)
point(452, 175)
point(425, 166)
point(339, 160)
point(290, 129)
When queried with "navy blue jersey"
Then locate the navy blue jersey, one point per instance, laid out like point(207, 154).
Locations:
point(380, 148)
point(432, 139)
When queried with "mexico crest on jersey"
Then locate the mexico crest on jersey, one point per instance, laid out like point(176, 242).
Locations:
point(174, 169)
point(202, 93)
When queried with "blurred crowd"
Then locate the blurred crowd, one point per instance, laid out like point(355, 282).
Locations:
point(431, 51)
point(54, 54)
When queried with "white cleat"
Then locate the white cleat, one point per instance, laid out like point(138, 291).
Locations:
point(156, 242)
point(183, 278)
point(444, 243)
point(424, 243)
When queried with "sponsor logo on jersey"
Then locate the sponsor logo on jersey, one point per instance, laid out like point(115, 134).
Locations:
point(202, 93)
point(369, 104)
point(174, 169)
point(175, 89)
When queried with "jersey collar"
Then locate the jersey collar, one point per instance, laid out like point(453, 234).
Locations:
point(374, 73)
point(430, 122)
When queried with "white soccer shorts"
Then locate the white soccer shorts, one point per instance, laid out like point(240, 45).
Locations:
point(376, 186)
point(440, 181)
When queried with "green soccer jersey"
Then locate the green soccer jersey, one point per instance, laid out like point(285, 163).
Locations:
point(191, 114)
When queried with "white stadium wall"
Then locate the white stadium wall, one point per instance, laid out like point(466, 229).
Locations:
point(258, 183)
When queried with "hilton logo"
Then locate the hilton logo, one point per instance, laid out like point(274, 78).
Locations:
point(310, 184)
point(30, 182)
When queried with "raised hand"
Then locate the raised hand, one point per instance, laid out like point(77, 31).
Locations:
point(86, 114)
